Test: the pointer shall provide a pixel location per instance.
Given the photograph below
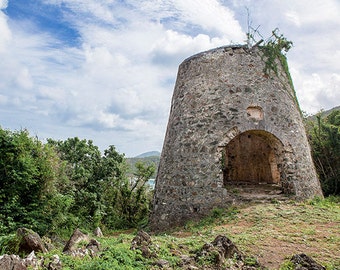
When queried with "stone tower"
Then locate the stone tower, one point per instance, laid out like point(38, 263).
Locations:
point(231, 124)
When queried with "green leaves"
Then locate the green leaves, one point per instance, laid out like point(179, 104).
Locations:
point(53, 188)
point(25, 180)
point(275, 48)
point(324, 135)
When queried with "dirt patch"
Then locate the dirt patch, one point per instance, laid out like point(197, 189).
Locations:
point(182, 234)
point(273, 252)
point(275, 232)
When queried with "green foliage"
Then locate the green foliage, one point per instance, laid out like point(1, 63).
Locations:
point(29, 172)
point(287, 265)
point(55, 187)
point(273, 49)
point(210, 259)
point(333, 266)
point(115, 255)
point(9, 244)
point(250, 261)
point(149, 160)
point(279, 223)
point(324, 136)
point(83, 163)
point(103, 194)
point(329, 202)
point(133, 200)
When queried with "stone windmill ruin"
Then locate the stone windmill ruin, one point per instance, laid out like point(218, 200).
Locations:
point(231, 126)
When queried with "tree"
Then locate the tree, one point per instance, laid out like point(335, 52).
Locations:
point(102, 191)
point(324, 135)
point(29, 175)
point(133, 200)
point(112, 177)
point(83, 163)
point(53, 188)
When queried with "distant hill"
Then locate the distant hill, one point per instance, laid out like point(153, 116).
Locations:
point(149, 154)
point(323, 113)
point(148, 158)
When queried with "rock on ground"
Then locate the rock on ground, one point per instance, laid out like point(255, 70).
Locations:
point(303, 262)
point(76, 237)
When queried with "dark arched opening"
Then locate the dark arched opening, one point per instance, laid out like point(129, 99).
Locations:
point(252, 157)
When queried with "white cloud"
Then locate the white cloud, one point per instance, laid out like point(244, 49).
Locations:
point(24, 79)
point(313, 12)
point(3, 4)
point(174, 47)
point(292, 16)
point(211, 15)
point(6, 34)
point(316, 91)
point(108, 120)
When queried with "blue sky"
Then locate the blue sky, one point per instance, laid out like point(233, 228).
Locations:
point(105, 69)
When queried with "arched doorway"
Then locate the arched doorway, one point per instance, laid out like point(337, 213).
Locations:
point(252, 157)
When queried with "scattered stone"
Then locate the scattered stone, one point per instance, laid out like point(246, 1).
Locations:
point(223, 251)
point(30, 241)
point(10, 262)
point(55, 264)
point(192, 267)
point(146, 252)
point(186, 260)
point(142, 238)
point(89, 247)
point(76, 237)
point(226, 247)
point(79, 252)
point(219, 250)
point(162, 263)
point(93, 247)
point(142, 242)
point(98, 232)
point(32, 261)
point(14, 262)
point(303, 262)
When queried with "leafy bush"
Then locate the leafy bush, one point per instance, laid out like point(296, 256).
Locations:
point(116, 255)
point(324, 137)
point(29, 173)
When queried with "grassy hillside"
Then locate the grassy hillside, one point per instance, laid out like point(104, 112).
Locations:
point(269, 233)
point(154, 159)
point(149, 154)
point(323, 113)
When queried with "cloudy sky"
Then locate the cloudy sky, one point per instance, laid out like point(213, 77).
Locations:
point(105, 69)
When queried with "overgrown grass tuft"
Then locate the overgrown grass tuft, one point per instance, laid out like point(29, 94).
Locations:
point(217, 216)
point(9, 244)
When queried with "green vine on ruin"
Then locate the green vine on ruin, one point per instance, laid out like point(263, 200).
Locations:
point(275, 48)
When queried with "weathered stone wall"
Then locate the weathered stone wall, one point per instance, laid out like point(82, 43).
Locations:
point(220, 94)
